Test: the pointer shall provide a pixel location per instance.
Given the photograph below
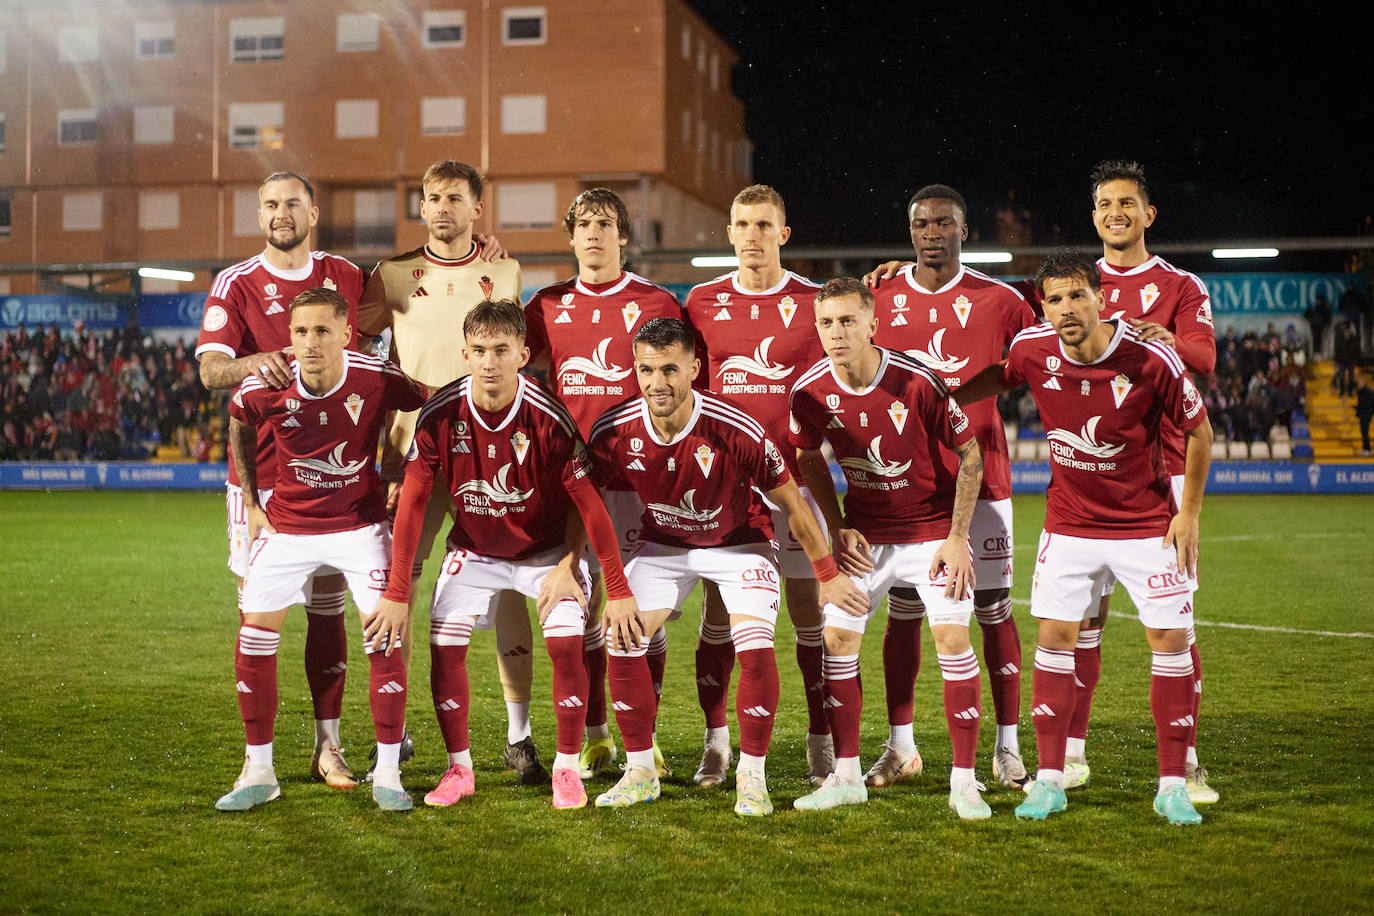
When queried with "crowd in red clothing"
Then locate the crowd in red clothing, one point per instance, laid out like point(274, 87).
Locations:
point(101, 395)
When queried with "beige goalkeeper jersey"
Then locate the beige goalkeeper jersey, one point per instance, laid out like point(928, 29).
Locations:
point(423, 299)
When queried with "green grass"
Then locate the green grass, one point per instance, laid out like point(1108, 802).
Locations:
point(119, 728)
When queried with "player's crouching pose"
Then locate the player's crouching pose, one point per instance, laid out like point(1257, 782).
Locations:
point(327, 512)
point(695, 459)
point(511, 457)
point(1103, 394)
point(908, 513)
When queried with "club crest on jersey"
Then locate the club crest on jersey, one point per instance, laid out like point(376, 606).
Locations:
point(899, 302)
point(215, 318)
point(1148, 295)
point(1192, 401)
point(1120, 387)
point(1204, 313)
point(487, 286)
point(271, 290)
point(521, 443)
point(706, 459)
point(566, 302)
point(1053, 363)
point(461, 427)
point(354, 406)
point(787, 307)
point(636, 446)
point(418, 272)
point(962, 307)
point(723, 298)
point(832, 401)
point(330, 284)
point(293, 404)
point(898, 413)
point(630, 313)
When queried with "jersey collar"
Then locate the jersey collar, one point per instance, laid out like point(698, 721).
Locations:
point(734, 281)
point(877, 376)
point(300, 386)
point(452, 262)
point(301, 273)
point(510, 413)
point(910, 271)
point(1111, 347)
point(1150, 262)
point(682, 434)
point(620, 284)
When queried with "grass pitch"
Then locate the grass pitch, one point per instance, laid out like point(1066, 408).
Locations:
point(119, 729)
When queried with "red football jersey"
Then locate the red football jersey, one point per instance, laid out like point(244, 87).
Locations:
point(508, 472)
point(757, 344)
point(895, 443)
point(588, 331)
point(956, 331)
point(1103, 421)
point(698, 489)
point(247, 312)
point(1177, 300)
point(327, 444)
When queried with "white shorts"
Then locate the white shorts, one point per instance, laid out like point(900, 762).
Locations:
point(990, 533)
point(909, 565)
point(626, 510)
point(282, 564)
point(792, 561)
point(469, 585)
point(746, 575)
point(240, 548)
point(1176, 489)
point(1069, 573)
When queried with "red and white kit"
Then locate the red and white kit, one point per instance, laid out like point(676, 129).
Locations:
point(756, 344)
point(703, 519)
point(514, 475)
point(248, 311)
point(956, 331)
point(1176, 300)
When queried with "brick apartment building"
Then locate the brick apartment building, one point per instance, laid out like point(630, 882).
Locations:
point(139, 131)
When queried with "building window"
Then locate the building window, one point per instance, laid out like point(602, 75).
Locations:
point(259, 38)
point(152, 124)
point(374, 219)
point(443, 115)
point(159, 210)
point(154, 39)
point(77, 126)
point(4, 217)
point(81, 211)
point(358, 32)
point(526, 204)
point(744, 158)
point(414, 197)
point(686, 126)
point(256, 125)
point(4, 45)
point(246, 212)
point(2, 131)
point(715, 71)
point(523, 114)
point(524, 25)
point(686, 42)
point(77, 44)
point(355, 118)
point(444, 28)
point(701, 56)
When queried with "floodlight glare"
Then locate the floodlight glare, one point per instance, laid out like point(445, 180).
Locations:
point(162, 273)
point(716, 260)
point(1227, 254)
point(985, 257)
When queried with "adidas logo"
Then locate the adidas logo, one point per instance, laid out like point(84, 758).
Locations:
point(622, 706)
point(1078, 683)
point(834, 423)
point(635, 465)
point(275, 308)
point(563, 318)
point(336, 668)
point(420, 291)
point(832, 703)
point(291, 422)
point(517, 652)
point(1185, 722)
point(968, 715)
point(1008, 670)
point(448, 705)
point(758, 712)
point(570, 703)
point(391, 687)
point(243, 688)
point(708, 680)
point(1042, 709)
point(722, 315)
point(1053, 383)
point(899, 321)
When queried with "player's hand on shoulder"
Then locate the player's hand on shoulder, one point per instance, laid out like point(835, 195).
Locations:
point(560, 583)
point(388, 624)
point(956, 560)
point(1149, 330)
point(489, 247)
point(845, 595)
point(884, 271)
point(273, 369)
point(852, 552)
point(623, 625)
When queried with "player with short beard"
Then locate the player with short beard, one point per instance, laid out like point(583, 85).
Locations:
point(699, 463)
point(1104, 393)
point(245, 333)
point(756, 325)
point(955, 320)
point(581, 331)
point(327, 511)
point(422, 296)
point(510, 456)
point(905, 521)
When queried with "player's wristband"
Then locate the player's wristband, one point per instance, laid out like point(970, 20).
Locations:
point(825, 568)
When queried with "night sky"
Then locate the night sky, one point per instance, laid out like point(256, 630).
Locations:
point(1247, 126)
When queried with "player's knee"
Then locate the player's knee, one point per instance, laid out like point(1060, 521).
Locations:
point(950, 639)
point(842, 642)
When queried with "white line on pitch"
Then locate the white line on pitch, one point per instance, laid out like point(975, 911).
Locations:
point(1240, 626)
